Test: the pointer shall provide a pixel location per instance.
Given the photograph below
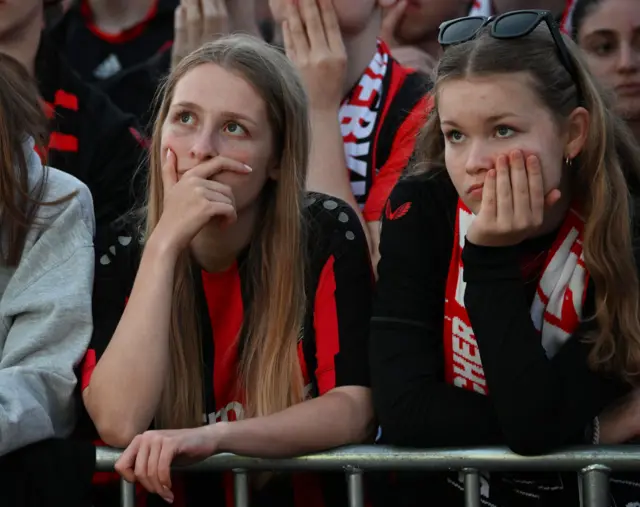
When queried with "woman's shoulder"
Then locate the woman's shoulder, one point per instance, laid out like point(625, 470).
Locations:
point(64, 219)
point(118, 248)
point(431, 190)
point(64, 193)
point(332, 226)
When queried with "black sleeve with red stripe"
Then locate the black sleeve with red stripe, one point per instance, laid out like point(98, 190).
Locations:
point(341, 288)
point(117, 253)
point(397, 138)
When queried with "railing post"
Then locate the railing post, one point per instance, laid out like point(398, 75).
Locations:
point(241, 488)
point(471, 487)
point(127, 493)
point(595, 486)
point(355, 487)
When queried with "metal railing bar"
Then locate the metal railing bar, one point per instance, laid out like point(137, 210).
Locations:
point(595, 486)
point(379, 458)
point(127, 494)
point(355, 488)
point(471, 488)
point(241, 488)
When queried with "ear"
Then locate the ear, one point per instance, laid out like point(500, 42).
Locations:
point(577, 132)
point(273, 172)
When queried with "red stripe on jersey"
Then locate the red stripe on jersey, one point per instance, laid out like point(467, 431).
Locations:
point(401, 149)
point(66, 100)
point(223, 292)
point(63, 142)
point(325, 322)
point(88, 365)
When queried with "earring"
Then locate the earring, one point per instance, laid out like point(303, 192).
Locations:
point(568, 162)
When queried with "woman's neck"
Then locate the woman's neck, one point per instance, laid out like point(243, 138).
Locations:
point(215, 248)
point(114, 16)
point(24, 43)
point(360, 49)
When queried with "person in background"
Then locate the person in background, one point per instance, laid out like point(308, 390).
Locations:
point(366, 109)
point(90, 138)
point(608, 31)
point(507, 300)
point(410, 29)
point(46, 273)
point(269, 288)
point(495, 7)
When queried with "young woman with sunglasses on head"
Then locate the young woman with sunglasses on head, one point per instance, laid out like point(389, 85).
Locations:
point(246, 328)
point(507, 302)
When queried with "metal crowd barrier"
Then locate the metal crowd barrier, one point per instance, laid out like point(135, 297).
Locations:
point(593, 463)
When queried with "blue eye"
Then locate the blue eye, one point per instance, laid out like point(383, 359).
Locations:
point(454, 136)
point(504, 132)
point(234, 129)
point(185, 118)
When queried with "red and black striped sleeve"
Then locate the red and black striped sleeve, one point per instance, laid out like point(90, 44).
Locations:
point(418, 103)
point(342, 294)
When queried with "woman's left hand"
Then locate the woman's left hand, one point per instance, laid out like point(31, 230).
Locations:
point(513, 202)
point(149, 456)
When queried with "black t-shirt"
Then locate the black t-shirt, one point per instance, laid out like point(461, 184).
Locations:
point(332, 349)
point(535, 404)
point(98, 56)
point(90, 138)
point(118, 64)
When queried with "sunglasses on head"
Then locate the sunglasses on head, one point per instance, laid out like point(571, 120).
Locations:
point(510, 25)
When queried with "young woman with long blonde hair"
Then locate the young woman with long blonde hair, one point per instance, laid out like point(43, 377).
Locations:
point(246, 328)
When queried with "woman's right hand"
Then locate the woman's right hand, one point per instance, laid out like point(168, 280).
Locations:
point(193, 200)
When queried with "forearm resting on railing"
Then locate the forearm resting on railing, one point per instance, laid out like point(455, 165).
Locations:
point(341, 417)
point(125, 388)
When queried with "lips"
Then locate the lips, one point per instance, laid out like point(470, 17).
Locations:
point(473, 188)
point(628, 89)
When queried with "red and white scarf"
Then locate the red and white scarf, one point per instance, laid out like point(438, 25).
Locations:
point(556, 309)
point(358, 119)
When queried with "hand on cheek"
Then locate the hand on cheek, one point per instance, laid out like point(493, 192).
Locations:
point(514, 202)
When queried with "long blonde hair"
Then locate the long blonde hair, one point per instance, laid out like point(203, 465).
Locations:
point(602, 174)
point(270, 374)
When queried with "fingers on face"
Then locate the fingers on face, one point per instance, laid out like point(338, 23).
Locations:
point(519, 186)
point(503, 189)
point(536, 189)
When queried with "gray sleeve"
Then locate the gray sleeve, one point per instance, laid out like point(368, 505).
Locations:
point(47, 322)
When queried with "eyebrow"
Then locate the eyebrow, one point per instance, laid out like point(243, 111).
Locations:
point(227, 114)
point(492, 119)
point(608, 32)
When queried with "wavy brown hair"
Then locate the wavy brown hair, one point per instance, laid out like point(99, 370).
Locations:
point(269, 372)
point(21, 117)
point(602, 174)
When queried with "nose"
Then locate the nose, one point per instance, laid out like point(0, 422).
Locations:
point(204, 147)
point(628, 59)
point(480, 158)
